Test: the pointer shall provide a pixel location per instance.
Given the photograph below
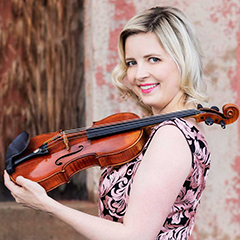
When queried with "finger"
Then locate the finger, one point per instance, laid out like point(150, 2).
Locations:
point(13, 188)
point(7, 181)
point(20, 180)
point(6, 176)
point(17, 199)
point(30, 185)
point(24, 182)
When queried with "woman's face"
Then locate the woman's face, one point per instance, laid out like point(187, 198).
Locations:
point(152, 73)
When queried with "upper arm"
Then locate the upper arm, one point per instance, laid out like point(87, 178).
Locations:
point(158, 180)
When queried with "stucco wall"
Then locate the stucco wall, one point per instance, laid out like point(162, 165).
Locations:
point(218, 27)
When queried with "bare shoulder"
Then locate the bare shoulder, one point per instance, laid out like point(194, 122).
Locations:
point(169, 150)
point(170, 137)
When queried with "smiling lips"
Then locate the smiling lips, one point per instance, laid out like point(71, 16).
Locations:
point(146, 88)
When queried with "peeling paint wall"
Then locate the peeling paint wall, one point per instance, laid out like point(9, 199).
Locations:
point(218, 27)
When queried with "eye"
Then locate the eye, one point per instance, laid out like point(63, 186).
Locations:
point(131, 63)
point(154, 59)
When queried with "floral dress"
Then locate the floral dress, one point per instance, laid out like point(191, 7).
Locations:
point(115, 186)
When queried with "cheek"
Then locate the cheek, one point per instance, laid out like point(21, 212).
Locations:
point(130, 77)
point(172, 78)
point(126, 82)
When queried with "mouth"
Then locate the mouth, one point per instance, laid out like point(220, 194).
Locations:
point(146, 88)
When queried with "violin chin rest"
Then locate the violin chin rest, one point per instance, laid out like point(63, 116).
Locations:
point(16, 147)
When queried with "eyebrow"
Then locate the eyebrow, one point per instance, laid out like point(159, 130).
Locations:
point(145, 56)
point(152, 54)
point(128, 59)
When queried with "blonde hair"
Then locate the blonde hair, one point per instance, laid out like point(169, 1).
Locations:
point(178, 39)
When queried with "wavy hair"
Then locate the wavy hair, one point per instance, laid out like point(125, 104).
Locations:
point(177, 37)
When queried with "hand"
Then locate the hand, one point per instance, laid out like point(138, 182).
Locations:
point(27, 192)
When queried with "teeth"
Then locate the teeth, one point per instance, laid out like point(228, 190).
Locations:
point(148, 86)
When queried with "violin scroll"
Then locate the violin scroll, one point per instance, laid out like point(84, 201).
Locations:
point(231, 112)
point(229, 115)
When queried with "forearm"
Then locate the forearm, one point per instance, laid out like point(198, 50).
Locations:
point(34, 196)
point(90, 226)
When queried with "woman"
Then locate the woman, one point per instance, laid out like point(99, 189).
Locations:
point(154, 196)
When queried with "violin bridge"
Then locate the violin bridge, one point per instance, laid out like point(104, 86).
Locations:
point(65, 140)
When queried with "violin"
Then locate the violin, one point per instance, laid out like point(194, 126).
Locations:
point(51, 159)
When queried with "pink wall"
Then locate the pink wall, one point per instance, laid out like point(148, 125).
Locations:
point(218, 27)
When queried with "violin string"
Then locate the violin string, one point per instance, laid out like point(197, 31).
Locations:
point(52, 139)
point(107, 129)
point(122, 126)
point(67, 132)
point(75, 130)
point(137, 123)
point(127, 123)
point(60, 139)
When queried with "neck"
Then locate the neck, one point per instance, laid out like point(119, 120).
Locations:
point(176, 104)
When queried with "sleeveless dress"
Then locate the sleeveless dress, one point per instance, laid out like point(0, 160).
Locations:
point(115, 186)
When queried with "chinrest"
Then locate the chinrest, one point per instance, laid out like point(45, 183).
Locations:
point(16, 147)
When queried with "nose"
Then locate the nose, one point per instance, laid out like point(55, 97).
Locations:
point(141, 72)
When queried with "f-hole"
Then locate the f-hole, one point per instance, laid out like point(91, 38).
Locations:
point(58, 162)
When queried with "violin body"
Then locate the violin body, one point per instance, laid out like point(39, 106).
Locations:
point(51, 159)
point(60, 164)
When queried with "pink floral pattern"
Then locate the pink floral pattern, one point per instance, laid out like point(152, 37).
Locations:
point(115, 186)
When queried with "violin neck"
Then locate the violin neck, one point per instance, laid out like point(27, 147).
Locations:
point(101, 131)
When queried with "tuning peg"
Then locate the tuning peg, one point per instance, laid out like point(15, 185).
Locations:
point(215, 108)
point(222, 123)
point(209, 121)
point(199, 106)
